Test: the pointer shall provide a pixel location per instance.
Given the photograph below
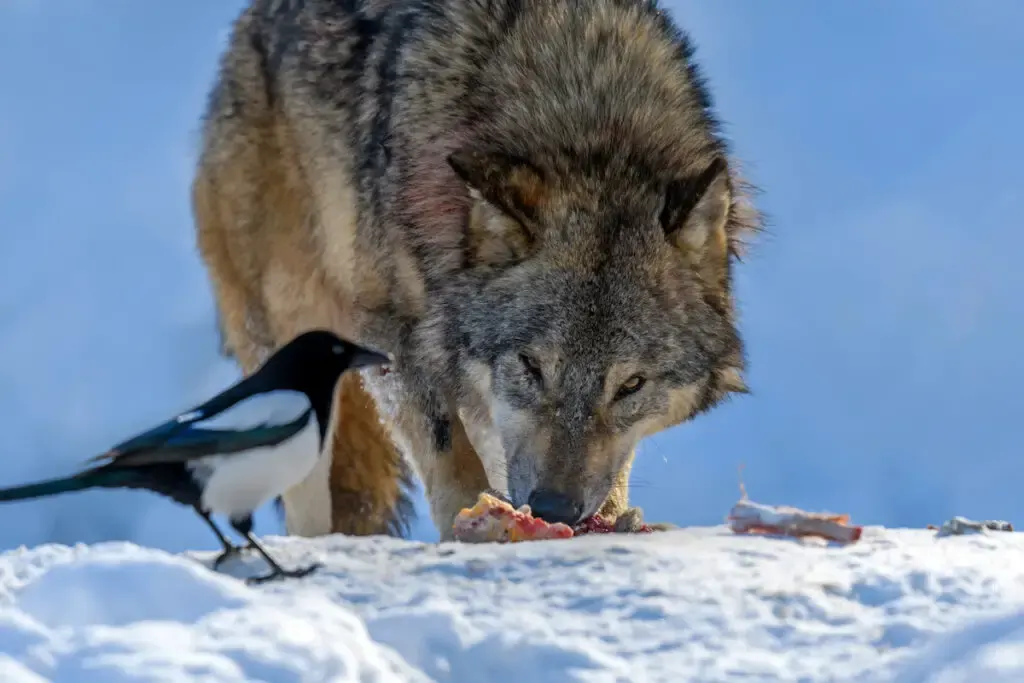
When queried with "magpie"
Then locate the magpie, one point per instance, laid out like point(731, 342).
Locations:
point(236, 451)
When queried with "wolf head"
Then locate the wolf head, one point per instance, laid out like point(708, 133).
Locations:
point(604, 217)
point(599, 313)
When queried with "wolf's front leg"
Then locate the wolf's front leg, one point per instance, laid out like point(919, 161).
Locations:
point(438, 449)
point(453, 478)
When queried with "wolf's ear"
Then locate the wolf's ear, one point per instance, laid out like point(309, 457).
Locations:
point(502, 229)
point(512, 184)
point(695, 212)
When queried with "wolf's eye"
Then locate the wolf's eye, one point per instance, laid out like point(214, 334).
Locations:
point(532, 368)
point(630, 386)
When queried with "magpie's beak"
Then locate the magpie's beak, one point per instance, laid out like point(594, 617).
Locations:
point(365, 358)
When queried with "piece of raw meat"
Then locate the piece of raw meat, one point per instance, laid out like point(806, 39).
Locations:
point(492, 520)
point(747, 517)
point(600, 525)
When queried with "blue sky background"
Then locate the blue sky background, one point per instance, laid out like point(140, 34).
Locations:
point(883, 311)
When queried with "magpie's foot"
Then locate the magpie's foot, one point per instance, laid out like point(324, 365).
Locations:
point(229, 553)
point(279, 573)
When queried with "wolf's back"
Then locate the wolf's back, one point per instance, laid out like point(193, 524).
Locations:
point(603, 90)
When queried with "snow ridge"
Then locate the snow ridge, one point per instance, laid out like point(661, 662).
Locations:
point(694, 604)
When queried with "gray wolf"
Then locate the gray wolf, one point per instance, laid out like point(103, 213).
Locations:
point(530, 205)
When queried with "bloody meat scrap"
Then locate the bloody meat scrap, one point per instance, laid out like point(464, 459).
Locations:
point(600, 525)
point(747, 517)
point(493, 520)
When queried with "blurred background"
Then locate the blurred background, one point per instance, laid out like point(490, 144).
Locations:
point(883, 310)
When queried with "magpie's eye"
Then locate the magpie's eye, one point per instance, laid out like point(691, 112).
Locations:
point(630, 386)
point(531, 367)
point(337, 350)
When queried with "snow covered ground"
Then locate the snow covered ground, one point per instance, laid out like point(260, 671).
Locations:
point(696, 605)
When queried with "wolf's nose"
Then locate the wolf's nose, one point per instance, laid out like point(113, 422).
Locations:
point(554, 507)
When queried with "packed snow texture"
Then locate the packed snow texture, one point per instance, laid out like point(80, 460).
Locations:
point(700, 605)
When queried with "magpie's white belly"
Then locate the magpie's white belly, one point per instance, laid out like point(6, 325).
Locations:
point(235, 485)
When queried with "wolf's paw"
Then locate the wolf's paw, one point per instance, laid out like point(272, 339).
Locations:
point(631, 521)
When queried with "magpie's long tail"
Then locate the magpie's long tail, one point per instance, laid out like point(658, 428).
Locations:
point(79, 482)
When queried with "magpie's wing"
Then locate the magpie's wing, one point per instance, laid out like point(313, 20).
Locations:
point(262, 419)
point(158, 435)
point(194, 443)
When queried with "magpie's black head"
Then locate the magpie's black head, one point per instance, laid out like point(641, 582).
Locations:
point(313, 361)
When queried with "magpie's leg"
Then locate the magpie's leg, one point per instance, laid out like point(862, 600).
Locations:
point(244, 527)
point(230, 549)
point(277, 571)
